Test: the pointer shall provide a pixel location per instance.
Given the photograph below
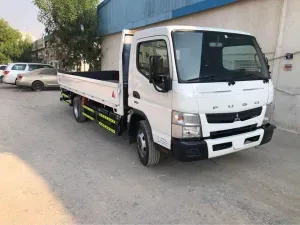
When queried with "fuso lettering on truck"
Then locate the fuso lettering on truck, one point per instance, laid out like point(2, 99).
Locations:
point(193, 92)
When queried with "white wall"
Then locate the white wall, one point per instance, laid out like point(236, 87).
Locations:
point(287, 113)
point(262, 19)
point(110, 52)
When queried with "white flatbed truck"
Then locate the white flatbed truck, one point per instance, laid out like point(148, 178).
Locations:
point(192, 92)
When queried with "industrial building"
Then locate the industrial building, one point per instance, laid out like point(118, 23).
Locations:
point(275, 24)
point(44, 51)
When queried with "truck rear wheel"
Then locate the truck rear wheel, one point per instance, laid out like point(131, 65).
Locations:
point(147, 152)
point(78, 110)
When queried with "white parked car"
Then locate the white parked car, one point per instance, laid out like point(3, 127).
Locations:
point(2, 68)
point(12, 71)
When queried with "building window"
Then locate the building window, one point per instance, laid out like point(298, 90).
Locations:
point(152, 48)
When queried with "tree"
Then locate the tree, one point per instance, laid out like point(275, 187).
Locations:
point(73, 23)
point(13, 47)
point(26, 50)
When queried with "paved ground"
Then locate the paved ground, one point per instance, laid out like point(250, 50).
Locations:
point(54, 170)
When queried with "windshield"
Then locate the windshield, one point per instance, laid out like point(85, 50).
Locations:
point(215, 56)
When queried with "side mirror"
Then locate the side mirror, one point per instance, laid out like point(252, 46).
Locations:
point(159, 75)
point(267, 62)
point(266, 59)
point(156, 67)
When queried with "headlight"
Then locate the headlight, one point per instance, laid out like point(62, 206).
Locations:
point(269, 113)
point(186, 125)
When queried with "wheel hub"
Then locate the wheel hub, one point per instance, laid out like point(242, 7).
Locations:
point(141, 143)
point(76, 110)
point(38, 86)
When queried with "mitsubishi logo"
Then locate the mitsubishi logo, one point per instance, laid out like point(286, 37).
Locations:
point(237, 118)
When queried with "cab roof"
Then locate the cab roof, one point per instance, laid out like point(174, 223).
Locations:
point(163, 30)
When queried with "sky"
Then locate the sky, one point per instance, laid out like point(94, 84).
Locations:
point(22, 15)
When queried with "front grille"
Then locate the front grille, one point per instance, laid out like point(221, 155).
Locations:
point(232, 117)
point(231, 132)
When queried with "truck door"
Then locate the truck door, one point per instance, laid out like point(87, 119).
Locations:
point(143, 97)
point(127, 36)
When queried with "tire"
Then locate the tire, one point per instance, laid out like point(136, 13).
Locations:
point(148, 154)
point(37, 86)
point(78, 110)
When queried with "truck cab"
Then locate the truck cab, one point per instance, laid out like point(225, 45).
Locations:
point(204, 92)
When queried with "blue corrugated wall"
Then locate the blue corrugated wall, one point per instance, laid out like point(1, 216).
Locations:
point(116, 15)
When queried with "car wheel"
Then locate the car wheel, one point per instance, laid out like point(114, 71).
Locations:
point(37, 86)
point(78, 110)
point(148, 154)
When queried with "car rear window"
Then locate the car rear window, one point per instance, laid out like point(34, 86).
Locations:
point(2, 67)
point(38, 66)
point(19, 67)
point(49, 71)
point(47, 66)
point(34, 67)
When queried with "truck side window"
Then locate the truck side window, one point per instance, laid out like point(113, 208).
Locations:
point(152, 48)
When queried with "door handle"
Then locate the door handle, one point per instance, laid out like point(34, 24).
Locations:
point(136, 95)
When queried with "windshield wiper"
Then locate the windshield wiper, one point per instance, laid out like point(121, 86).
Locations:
point(251, 74)
point(213, 78)
point(266, 80)
point(193, 80)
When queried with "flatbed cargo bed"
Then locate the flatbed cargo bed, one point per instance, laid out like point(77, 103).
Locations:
point(101, 86)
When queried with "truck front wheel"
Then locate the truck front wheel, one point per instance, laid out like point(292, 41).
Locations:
point(78, 110)
point(147, 152)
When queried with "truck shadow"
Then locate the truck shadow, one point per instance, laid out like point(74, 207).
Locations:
point(24, 89)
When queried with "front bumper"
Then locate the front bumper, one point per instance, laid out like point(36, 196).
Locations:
point(209, 148)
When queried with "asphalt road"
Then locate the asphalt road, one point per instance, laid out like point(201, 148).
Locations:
point(54, 170)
